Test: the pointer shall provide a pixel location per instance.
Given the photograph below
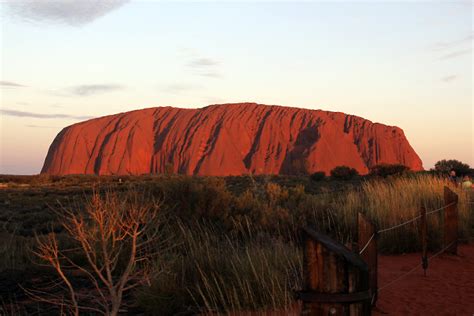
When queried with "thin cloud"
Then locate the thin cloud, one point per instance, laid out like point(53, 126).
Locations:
point(179, 88)
point(71, 12)
point(92, 89)
point(16, 113)
point(456, 54)
point(446, 45)
point(10, 84)
point(449, 78)
point(204, 67)
point(202, 63)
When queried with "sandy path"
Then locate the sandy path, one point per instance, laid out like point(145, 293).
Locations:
point(448, 288)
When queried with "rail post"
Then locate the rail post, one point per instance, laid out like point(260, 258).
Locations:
point(367, 242)
point(336, 280)
point(423, 228)
point(450, 237)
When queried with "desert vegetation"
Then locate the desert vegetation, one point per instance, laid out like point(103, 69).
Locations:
point(111, 243)
point(446, 165)
point(212, 244)
point(344, 173)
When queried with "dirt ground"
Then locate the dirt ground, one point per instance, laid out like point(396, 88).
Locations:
point(448, 288)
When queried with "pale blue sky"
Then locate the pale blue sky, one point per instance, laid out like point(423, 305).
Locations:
point(399, 63)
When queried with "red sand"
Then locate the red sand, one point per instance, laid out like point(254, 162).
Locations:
point(227, 139)
point(448, 288)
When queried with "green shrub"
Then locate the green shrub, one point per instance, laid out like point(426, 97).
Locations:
point(318, 176)
point(344, 173)
point(385, 170)
point(445, 166)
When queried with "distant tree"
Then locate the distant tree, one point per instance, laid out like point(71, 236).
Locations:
point(385, 170)
point(344, 173)
point(446, 166)
point(318, 176)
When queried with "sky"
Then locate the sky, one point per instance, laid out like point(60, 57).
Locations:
point(402, 63)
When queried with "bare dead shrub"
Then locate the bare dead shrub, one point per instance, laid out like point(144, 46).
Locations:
point(112, 245)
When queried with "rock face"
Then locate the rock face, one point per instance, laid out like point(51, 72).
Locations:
point(227, 139)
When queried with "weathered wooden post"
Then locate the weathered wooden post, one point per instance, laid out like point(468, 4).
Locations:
point(423, 225)
point(336, 280)
point(367, 241)
point(450, 221)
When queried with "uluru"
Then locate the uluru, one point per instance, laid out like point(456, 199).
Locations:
point(226, 139)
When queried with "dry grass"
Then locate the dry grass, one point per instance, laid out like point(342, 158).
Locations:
point(241, 264)
point(211, 271)
point(233, 243)
point(391, 202)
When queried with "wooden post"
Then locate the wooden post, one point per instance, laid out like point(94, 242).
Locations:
point(336, 280)
point(450, 221)
point(366, 233)
point(423, 224)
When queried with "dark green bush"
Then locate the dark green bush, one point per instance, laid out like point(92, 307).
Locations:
point(385, 170)
point(317, 176)
point(344, 173)
point(445, 166)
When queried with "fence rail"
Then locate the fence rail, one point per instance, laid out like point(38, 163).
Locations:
point(331, 268)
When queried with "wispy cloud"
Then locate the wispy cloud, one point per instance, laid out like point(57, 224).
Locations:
point(92, 89)
point(451, 44)
point(179, 88)
point(202, 62)
point(11, 84)
point(205, 67)
point(200, 65)
point(71, 12)
point(449, 78)
point(456, 54)
point(9, 112)
point(454, 48)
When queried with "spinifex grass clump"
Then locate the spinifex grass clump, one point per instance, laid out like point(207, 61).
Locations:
point(213, 271)
point(394, 201)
